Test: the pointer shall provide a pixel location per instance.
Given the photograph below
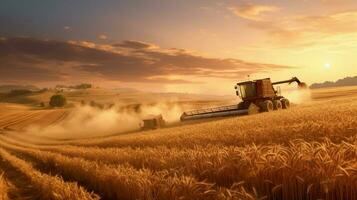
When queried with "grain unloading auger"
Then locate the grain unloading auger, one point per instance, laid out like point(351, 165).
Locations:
point(257, 96)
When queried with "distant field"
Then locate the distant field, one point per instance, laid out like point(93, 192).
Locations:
point(105, 96)
point(307, 152)
point(331, 93)
point(19, 117)
point(21, 111)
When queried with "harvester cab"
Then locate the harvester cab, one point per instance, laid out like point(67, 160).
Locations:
point(153, 122)
point(262, 88)
point(257, 96)
point(263, 94)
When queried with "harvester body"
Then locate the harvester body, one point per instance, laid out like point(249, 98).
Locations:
point(153, 122)
point(256, 90)
point(257, 96)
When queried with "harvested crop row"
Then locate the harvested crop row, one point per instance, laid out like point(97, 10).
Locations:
point(11, 116)
point(49, 187)
point(18, 118)
point(43, 119)
point(21, 120)
point(124, 182)
point(262, 167)
point(4, 187)
point(58, 119)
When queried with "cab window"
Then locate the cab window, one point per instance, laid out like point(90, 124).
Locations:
point(248, 90)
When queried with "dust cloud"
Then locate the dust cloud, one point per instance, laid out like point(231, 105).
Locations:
point(86, 121)
point(298, 96)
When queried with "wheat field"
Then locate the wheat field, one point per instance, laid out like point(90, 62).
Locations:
point(307, 152)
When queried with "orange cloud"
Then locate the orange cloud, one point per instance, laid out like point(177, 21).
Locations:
point(252, 11)
point(337, 23)
point(102, 37)
point(131, 44)
point(130, 61)
point(307, 30)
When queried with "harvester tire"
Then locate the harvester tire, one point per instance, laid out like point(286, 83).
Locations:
point(267, 106)
point(277, 105)
point(285, 103)
point(243, 105)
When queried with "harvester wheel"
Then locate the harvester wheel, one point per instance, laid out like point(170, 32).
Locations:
point(243, 105)
point(285, 103)
point(277, 105)
point(267, 106)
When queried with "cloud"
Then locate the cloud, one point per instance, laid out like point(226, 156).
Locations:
point(307, 30)
point(130, 44)
point(334, 1)
point(336, 23)
point(252, 11)
point(129, 61)
point(11, 71)
point(67, 28)
point(102, 37)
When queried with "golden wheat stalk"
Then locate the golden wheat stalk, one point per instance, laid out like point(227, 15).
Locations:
point(49, 187)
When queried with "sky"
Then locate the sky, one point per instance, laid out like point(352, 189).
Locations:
point(189, 46)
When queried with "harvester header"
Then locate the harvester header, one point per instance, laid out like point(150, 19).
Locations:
point(257, 96)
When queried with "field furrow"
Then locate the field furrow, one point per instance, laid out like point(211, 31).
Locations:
point(125, 182)
point(47, 118)
point(22, 124)
point(32, 184)
point(20, 118)
point(5, 187)
point(62, 116)
point(20, 186)
point(4, 117)
point(19, 121)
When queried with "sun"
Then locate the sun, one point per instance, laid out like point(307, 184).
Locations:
point(327, 65)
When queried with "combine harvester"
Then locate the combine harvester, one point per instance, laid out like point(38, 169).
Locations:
point(153, 122)
point(258, 96)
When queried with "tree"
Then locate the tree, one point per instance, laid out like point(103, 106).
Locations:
point(58, 100)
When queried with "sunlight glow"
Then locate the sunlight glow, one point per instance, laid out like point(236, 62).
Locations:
point(327, 65)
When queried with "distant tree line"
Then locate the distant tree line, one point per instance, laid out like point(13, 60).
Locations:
point(348, 81)
point(8, 88)
point(80, 86)
point(19, 92)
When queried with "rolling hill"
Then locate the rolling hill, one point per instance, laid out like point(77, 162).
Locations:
point(8, 88)
point(348, 81)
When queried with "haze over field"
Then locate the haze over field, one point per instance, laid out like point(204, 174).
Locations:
point(98, 122)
